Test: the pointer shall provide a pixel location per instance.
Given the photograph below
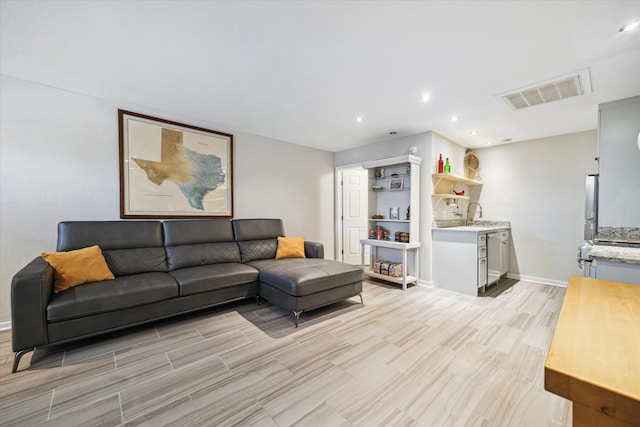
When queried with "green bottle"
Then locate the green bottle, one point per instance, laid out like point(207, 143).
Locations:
point(447, 166)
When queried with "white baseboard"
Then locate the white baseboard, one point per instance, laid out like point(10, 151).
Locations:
point(542, 280)
point(425, 284)
point(5, 326)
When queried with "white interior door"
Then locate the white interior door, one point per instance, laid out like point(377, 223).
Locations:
point(354, 213)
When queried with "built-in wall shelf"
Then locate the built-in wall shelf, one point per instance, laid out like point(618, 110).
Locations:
point(443, 185)
point(394, 192)
point(450, 196)
point(453, 178)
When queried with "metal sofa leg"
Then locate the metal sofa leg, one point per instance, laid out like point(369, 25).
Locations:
point(361, 300)
point(297, 316)
point(18, 356)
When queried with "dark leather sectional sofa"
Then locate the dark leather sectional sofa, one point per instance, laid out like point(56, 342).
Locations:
point(165, 268)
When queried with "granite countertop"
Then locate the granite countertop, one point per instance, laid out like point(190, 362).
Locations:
point(618, 235)
point(616, 254)
point(478, 227)
point(473, 229)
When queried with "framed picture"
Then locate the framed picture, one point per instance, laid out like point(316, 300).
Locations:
point(394, 212)
point(173, 170)
point(396, 184)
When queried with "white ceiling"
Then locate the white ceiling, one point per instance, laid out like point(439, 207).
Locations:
point(303, 71)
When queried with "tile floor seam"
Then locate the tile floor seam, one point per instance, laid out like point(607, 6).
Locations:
point(122, 420)
point(53, 394)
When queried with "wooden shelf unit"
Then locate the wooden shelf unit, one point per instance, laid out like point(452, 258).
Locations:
point(438, 193)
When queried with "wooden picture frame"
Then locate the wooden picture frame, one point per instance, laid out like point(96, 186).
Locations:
point(173, 170)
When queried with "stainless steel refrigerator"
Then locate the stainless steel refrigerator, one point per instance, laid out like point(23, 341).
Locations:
point(591, 207)
point(590, 225)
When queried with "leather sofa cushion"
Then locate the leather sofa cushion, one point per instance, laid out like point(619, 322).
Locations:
point(129, 247)
point(202, 254)
point(111, 295)
point(306, 276)
point(109, 234)
point(123, 262)
point(194, 231)
point(194, 280)
point(257, 229)
point(258, 249)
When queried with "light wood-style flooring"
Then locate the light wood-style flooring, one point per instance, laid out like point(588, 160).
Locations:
point(424, 357)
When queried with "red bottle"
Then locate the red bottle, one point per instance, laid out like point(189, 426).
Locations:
point(440, 165)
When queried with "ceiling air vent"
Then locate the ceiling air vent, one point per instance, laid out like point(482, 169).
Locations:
point(575, 84)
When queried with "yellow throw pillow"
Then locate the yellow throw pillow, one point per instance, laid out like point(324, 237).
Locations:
point(74, 268)
point(292, 247)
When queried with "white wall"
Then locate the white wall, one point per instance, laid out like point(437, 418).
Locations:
point(59, 161)
point(538, 185)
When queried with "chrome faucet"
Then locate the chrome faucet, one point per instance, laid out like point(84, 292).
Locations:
point(468, 207)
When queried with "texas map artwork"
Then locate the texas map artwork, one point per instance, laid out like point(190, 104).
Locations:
point(174, 171)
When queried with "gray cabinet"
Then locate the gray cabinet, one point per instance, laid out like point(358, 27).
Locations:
point(459, 260)
point(619, 193)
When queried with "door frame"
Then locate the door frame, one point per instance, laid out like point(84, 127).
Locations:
point(339, 255)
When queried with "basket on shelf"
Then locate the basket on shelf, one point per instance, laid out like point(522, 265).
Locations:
point(472, 165)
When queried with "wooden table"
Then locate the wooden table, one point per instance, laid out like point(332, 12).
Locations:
point(594, 358)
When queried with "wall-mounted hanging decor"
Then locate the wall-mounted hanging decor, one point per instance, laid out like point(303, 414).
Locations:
point(173, 170)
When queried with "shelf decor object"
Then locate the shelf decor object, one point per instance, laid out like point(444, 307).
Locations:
point(394, 212)
point(173, 170)
point(472, 165)
point(396, 184)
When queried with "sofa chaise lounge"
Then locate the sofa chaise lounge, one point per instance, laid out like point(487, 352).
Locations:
point(165, 268)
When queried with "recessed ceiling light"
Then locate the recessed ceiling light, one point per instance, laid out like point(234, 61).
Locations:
point(359, 119)
point(630, 27)
point(488, 142)
point(425, 97)
point(473, 132)
point(455, 118)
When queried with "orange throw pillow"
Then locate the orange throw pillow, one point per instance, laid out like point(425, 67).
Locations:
point(292, 247)
point(77, 267)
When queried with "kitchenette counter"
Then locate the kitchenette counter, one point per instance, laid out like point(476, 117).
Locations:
point(468, 258)
point(479, 227)
point(622, 235)
point(627, 255)
point(473, 229)
point(594, 353)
